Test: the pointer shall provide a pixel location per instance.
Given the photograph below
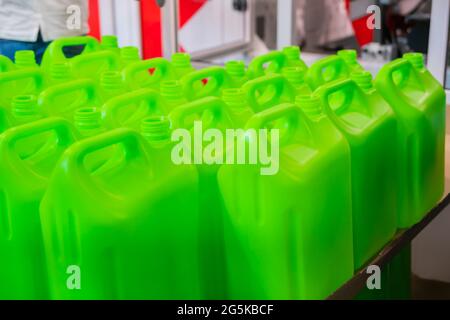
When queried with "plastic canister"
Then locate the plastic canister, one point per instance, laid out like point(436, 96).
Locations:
point(28, 156)
point(418, 101)
point(367, 121)
point(285, 230)
point(130, 227)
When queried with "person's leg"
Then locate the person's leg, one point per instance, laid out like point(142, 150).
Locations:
point(39, 48)
point(9, 47)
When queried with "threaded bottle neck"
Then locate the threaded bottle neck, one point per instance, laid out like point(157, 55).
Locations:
point(129, 54)
point(60, 72)
point(362, 79)
point(235, 98)
point(156, 129)
point(25, 59)
point(294, 75)
point(24, 106)
point(310, 104)
point(88, 120)
point(181, 60)
point(111, 80)
point(172, 91)
point(235, 68)
point(292, 52)
point(110, 42)
point(349, 56)
point(416, 59)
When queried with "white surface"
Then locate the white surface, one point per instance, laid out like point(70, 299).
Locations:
point(215, 26)
point(127, 22)
point(438, 43)
point(285, 24)
point(106, 12)
point(431, 252)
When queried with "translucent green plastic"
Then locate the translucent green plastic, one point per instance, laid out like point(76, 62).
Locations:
point(368, 122)
point(25, 59)
point(272, 62)
point(236, 70)
point(268, 91)
point(238, 108)
point(24, 109)
point(128, 110)
point(28, 155)
point(208, 82)
point(4, 119)
point(131, 226)
point(350, 58)
point(172, 94)
point(211, 220)
point(92, 65)
point(296, 77)
point(19, 82)
point(181, 63)
point(326, 70)
point(62, 100)
point(110, 43)
point(5, 64)
point(289, 235)
point(148, 73)
point(418, 101)
point(293, 55)
point(112, 85)
point(55, 54)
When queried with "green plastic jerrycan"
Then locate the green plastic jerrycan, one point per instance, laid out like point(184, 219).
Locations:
point(326, 70)
point(62, 100)
point(92, 65)
point(24, 109)
point(236, 69)
point(368, 122)
point(88, 122)
point(128, 110)
point(350, 58)
point(268, 91)
point(148, 73)
point(296, 77)
point(20, 82)
point(110, 43)
point(293, 55)
point(171, 92)
point(418, 101)
point(55, 51)
point(6, 64)
point(196, 117)
point(238, 108)
point(286, 230)
point(25, 59)
point(181, 63)
point(272, 62)
point(112, 85)
point(130, 228)
point(58, 73)
point(28, 155)
point(4, 119)
point(129, 55)
point(208, 82)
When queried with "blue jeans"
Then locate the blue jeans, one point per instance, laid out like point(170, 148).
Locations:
point(9, 47)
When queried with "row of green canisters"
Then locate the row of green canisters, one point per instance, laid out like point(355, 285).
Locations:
point(88, 181)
